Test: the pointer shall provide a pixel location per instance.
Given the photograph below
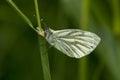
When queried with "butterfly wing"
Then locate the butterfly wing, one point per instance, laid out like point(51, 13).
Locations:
point(74, 42)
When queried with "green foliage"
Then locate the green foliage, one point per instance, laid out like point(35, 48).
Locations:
point(19, 47)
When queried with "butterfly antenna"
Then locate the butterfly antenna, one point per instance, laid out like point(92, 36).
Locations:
point(44, 23)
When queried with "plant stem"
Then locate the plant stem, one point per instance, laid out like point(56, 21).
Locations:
point(83, 69)
point(21, 14)
point(43, 52)
point(37, 15)
point(44, 55)
point(44, 59)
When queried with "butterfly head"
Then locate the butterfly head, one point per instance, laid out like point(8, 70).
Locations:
point(48, 32)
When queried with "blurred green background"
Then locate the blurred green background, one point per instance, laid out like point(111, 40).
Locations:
point(19, 48)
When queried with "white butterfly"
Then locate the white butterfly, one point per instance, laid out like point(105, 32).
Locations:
point(72, 42)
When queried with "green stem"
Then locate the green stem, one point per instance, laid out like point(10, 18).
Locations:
point(21, 14)
point(44, 59)
point(44, 54)
point(83, 63)
point(37, 15)
point(83, 69)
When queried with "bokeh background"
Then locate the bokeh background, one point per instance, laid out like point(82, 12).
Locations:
point(19, 48)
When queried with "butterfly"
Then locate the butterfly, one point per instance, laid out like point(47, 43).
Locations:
point(74, 43)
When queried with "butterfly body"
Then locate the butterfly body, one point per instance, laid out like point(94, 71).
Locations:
point(72, 42)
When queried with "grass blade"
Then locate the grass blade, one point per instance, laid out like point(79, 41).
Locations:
point(25, 18)
point(43, 52)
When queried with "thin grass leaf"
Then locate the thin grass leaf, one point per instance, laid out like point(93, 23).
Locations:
point(25, 18)
point(43, 51)
point(84, 9)
point(44, 55)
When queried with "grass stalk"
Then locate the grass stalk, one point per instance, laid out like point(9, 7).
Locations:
point(83, 62)
point(116, 16)
point(43, 52)
point(37, 15)
point(83, 69)
point(25, 18)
